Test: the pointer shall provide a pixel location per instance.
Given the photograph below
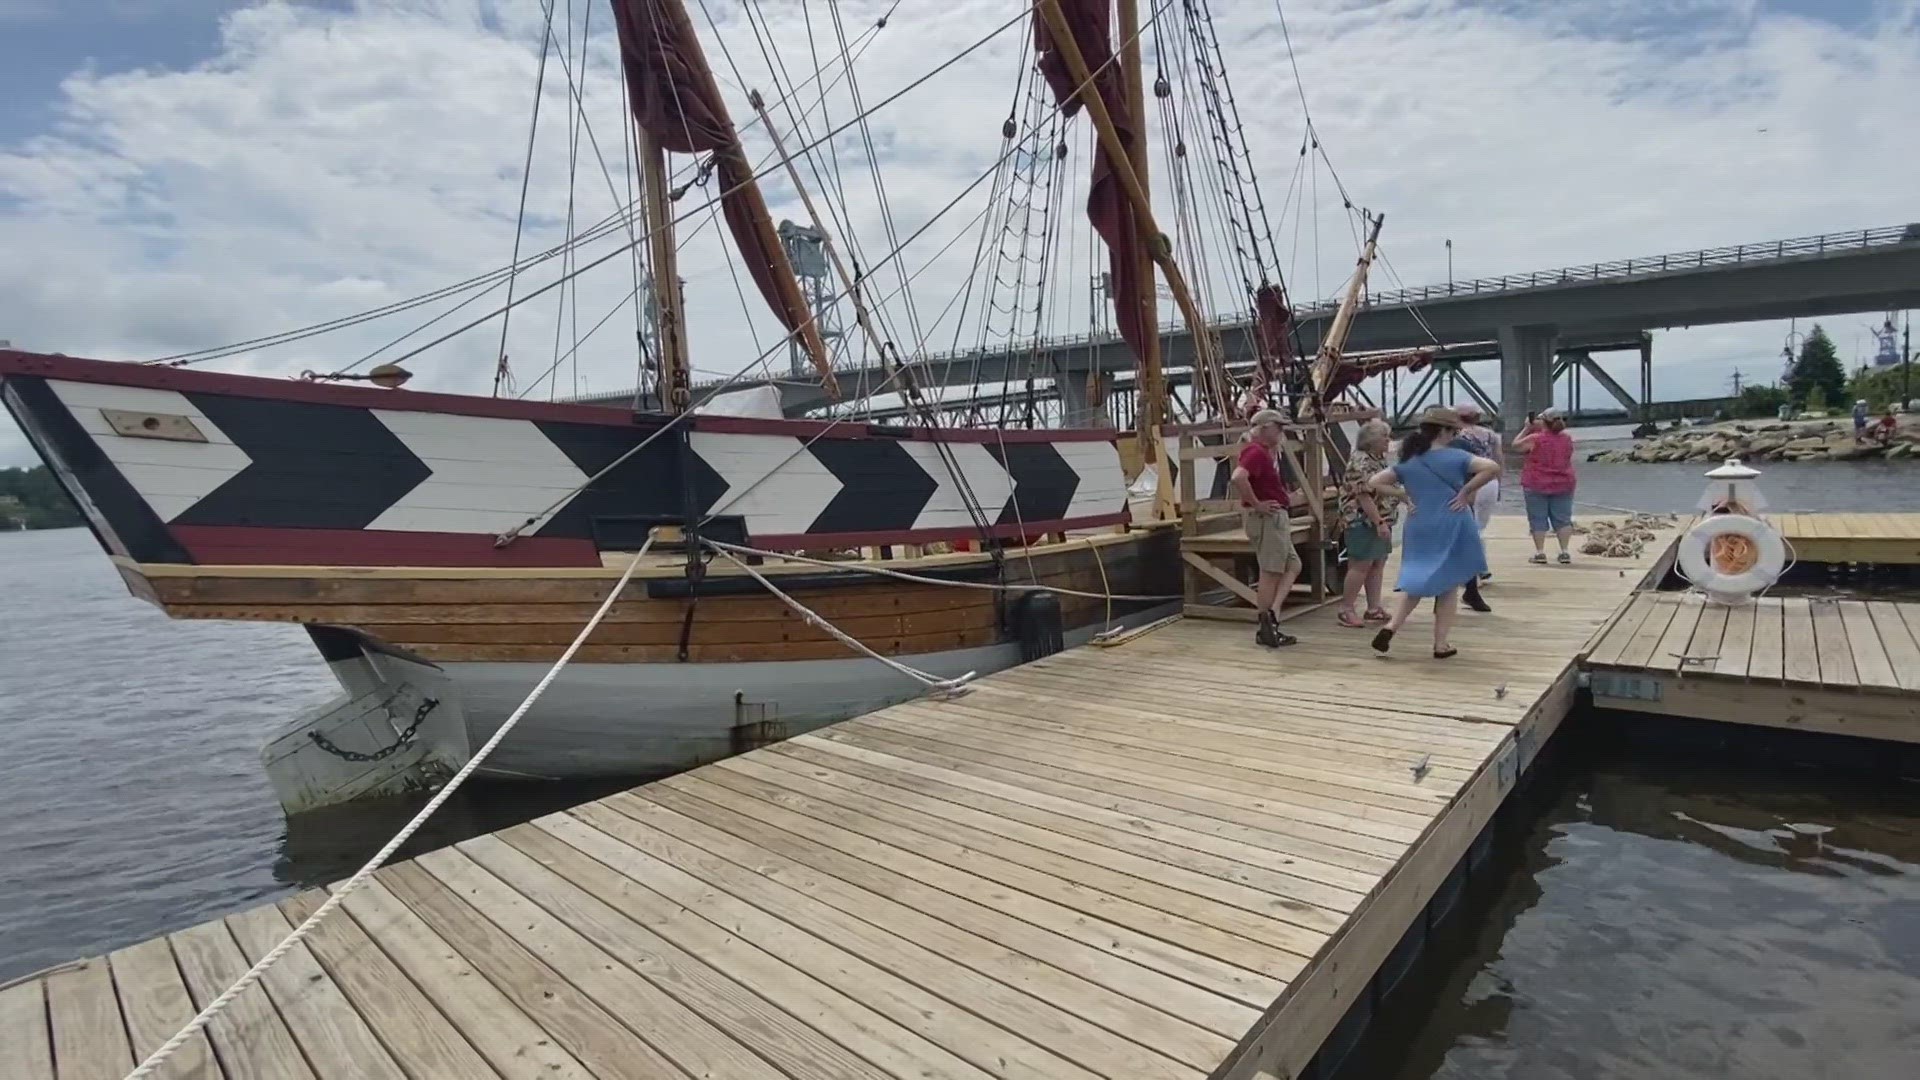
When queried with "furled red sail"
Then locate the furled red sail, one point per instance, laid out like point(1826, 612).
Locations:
point(1108, 210)
point(1353, 370)
point(676, 101)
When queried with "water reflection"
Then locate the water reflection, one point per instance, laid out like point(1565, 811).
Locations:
point(1659, 919)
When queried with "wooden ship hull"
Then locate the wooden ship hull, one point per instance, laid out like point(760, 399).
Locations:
point(384, 522)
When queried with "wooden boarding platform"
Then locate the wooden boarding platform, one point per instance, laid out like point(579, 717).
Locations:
point(1886, 539)
point(1181, 857)
point(1845, 666)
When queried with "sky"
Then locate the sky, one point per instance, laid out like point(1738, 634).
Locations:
point(182, 174)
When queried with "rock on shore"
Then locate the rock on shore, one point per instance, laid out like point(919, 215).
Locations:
point(1777, 440)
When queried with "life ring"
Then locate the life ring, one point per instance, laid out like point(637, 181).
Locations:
point(1732, 556)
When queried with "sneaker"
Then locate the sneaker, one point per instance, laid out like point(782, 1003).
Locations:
point(1565, 559)
point(1538, 558)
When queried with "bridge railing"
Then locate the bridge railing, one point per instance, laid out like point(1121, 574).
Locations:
point(1600, 271)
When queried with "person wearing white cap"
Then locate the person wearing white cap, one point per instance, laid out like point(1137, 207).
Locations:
point(1481, 441)
point(1547, 482)
point(1263, 508)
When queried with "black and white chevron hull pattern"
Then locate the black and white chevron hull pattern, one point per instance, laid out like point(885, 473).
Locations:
point(297, 464)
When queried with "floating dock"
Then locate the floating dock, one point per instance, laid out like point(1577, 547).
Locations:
point(1847, 667)
point(1843, 539)
point(1179, 857)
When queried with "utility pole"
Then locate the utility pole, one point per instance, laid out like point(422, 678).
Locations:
point(1906, 365)
point(1738, 377)
point(1449, 265)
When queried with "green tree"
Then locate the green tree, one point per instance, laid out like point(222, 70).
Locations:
point(1818, 367)
point(36, 498)
point(1760, 401)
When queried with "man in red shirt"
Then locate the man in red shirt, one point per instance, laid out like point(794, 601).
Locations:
point(1263, 506)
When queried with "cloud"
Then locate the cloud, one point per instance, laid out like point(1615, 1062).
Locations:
point(330, 159)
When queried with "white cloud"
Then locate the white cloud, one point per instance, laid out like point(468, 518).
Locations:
point(330, 160)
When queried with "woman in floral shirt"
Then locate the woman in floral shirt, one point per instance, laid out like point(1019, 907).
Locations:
point(1367, 518)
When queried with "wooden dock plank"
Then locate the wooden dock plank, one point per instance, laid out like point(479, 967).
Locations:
point(511, 1040)
point(678, 1032)
point(1900, 640)
point(1830, 643)
point(1736, 642)
point(1872, 664)
point(1800, 658)
point(1769, 639)
point(860, 961)
point(1639, 652)
point(1606, 653)
point(250, 1037)
point(329, 1030)
point(156, 1004)
point(1675, 643)
point(89, 1038)
point(867, 1032)
point(1320, 862)
point(26, 1042)
point(1709, 636)
point(423, 1041)
point(567, 1014)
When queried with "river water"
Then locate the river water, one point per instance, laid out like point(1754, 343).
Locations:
point(132, 802)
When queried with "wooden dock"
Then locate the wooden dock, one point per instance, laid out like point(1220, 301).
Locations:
point(1180, 857)
point(1844, 666)
point(1840, 539)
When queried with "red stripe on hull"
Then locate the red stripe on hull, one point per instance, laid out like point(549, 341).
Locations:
point(233, 545)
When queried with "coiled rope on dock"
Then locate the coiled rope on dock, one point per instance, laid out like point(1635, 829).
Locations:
point(219, 1004)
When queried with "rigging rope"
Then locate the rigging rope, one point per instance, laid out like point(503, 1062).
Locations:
point(526, 180)
point(944, 687)
point(339, 895)
point(919, 579)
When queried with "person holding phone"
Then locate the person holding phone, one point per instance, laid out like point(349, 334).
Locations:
point(1547, 482)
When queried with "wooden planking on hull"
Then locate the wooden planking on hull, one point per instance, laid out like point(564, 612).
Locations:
point(592, 653)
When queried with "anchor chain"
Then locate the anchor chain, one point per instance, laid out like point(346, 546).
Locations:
point(404, 739)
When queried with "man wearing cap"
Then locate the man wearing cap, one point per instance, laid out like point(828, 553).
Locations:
point(1263, 506)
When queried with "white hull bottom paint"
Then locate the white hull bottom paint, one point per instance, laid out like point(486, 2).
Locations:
point(643, 719)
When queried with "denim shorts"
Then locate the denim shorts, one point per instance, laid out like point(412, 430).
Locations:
point(1549, 513)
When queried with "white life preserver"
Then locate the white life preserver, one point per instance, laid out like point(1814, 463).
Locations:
point(1732, 556)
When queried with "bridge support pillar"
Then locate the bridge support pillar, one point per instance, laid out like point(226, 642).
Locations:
point(1082, 404)
point(1526, 374)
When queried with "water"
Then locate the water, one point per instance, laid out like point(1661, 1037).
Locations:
point(131, 796)
point(1679, 922)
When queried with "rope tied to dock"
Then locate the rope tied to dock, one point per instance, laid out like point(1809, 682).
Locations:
point(942, 687)
point(254, 974)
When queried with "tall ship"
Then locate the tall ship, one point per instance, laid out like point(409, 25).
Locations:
point(443, 550)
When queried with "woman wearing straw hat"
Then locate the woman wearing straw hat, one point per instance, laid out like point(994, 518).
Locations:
point(1441, 550)
point(1480, 441)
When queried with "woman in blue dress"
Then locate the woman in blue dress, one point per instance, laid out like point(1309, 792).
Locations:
point(1440, 549)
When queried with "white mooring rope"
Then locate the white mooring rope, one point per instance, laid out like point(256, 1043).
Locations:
point(218, 1005)
point(944, 687)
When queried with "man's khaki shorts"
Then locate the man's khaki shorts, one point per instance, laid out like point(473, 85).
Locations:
point(1272, 536)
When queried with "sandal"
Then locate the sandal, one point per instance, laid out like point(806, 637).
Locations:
point(1377, 615)
point(1349, 620)
point(1447, 653)
point(1382, 640)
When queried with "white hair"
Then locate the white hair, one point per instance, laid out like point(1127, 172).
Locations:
point(1374, 432)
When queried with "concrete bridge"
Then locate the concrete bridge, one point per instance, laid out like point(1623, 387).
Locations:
point(1536, 324)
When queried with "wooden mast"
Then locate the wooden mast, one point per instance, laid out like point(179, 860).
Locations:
point(1152, 413)
point(1334, 343)
point(676, 390)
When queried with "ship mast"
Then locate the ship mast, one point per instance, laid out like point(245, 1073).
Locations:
point(1153, 390)
point(675, 383)
point(1334, 343)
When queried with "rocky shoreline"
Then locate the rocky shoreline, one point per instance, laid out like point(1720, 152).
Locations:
point(1775, 440)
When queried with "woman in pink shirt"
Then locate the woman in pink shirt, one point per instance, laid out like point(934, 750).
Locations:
point(1547, 482)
